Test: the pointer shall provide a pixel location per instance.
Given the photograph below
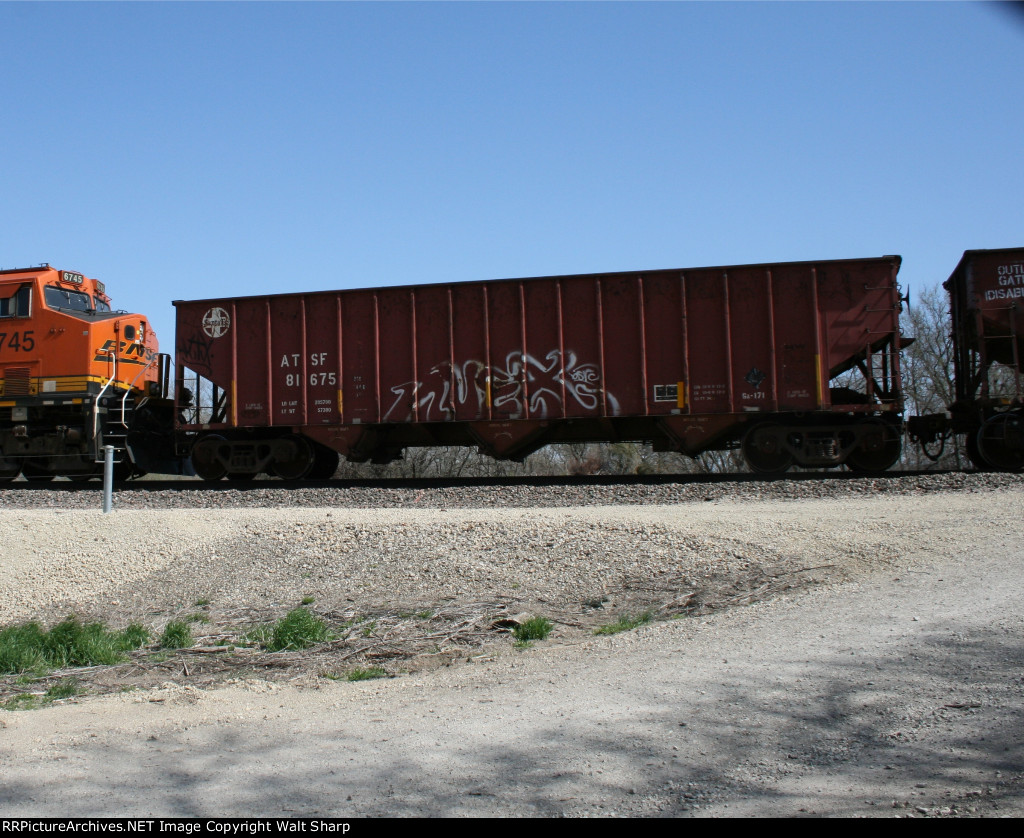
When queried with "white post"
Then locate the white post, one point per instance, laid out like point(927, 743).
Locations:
point(108, 478)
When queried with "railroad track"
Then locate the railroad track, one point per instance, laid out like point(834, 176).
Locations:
point(429, 483)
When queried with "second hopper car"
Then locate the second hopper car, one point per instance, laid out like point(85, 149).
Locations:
point(794, 363)
point(986, 305)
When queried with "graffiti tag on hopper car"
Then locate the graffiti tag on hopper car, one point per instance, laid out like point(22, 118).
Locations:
point(525, 384)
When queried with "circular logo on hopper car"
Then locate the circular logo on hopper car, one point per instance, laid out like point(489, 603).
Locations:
point(216, 322)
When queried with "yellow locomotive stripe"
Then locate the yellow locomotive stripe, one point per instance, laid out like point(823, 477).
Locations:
point(62, 384)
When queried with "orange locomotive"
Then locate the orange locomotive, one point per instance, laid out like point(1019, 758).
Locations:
point(76, 375)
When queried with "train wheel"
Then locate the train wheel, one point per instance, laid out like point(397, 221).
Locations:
point(973, 454)
point(294, 458)
point(10, 467)
point(880, 447)
point(205, 460)
point(764, 449)
point(325, 463)
point(1001, 442)
point(35, 473)
point(77, 468)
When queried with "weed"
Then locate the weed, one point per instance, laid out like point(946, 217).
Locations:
point(523, 644)
point(308, 600)
point(64, 688)
point(331, 676)
point(369, 627)
point(197, 618)
point(134, 637)
point(177, 635)
point(424, 615)
point(625, 623)
point(31, 648)
point(536, 628)
point(200, 603)
point(367, 674)
point(298, 629)
point(26, 701)
point(259, 635)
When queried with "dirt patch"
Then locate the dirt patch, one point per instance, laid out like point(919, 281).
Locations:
point(418, 637)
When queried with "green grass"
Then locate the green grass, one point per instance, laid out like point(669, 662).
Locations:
point(22, 702)
point(367, 674)
point(299, 629)
point(64, 688)
point(32, 648)
point(177, 635)
point(625, 623)
point(200, 603)
point(536, 628)
point(308, 600)
point(135, 636)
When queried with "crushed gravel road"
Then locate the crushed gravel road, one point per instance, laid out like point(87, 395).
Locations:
point(874, 668)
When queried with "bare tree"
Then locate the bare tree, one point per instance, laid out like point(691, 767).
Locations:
point(927, 367)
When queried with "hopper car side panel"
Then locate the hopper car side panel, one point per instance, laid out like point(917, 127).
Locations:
point(687, 359)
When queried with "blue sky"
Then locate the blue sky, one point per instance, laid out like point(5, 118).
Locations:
point(186, 151)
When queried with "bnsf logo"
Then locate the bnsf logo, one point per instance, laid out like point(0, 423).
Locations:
point(133, 352)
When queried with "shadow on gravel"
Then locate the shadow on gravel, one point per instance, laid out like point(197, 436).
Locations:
point(934, 725)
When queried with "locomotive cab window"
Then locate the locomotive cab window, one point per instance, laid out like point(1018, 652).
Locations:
point(19, 304)
point(68, 300)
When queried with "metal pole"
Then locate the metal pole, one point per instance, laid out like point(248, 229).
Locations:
point(108, 478)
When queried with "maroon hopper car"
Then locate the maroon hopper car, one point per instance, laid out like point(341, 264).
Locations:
point(793, 362)
point(986, 297)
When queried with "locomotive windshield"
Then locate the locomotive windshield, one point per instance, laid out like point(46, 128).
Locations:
point(68, 300)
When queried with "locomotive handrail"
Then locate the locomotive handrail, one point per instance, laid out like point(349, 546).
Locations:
point(124, 398)
point(99, 396)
